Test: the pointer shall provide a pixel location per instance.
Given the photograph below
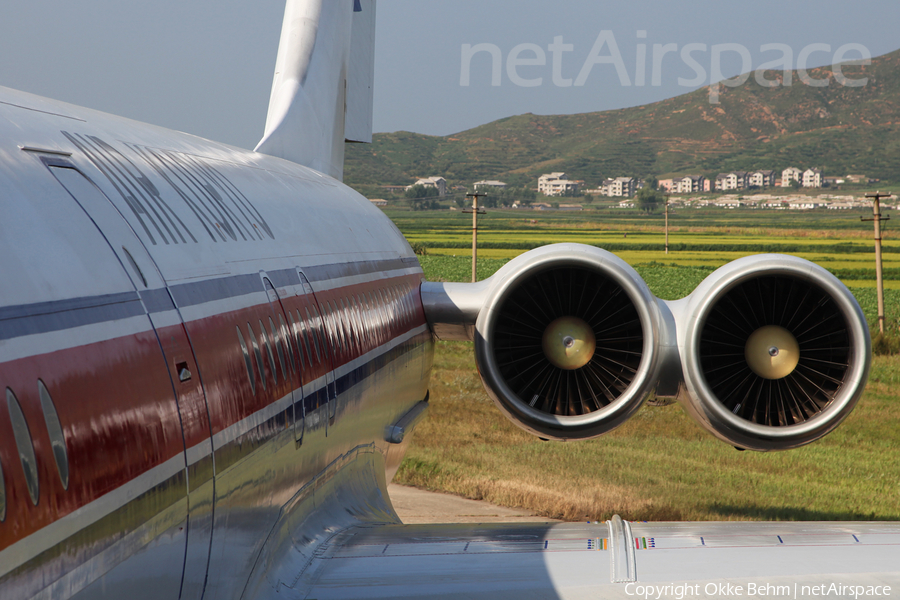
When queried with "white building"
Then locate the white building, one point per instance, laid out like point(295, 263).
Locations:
point(789, 175)
point(806, 205)
point(621, 187)
point(730, 203)
point(556, 184)
point(482, 185)
point(689, 184)
point(736, 180)
point(761, 179)
point(812, 178)
point(438, 183)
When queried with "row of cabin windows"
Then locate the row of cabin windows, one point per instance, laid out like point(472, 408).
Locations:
point(25, 445)
point(360, 323)
point(357, 324)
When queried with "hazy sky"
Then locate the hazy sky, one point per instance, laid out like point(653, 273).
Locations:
point(206, 66)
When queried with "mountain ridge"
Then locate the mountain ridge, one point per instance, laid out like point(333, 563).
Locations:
point(840, 129)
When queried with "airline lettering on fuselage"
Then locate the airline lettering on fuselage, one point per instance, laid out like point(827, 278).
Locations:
point(222, 210)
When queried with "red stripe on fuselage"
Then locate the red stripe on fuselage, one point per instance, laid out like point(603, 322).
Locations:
point(118, 416)
point(118, 411)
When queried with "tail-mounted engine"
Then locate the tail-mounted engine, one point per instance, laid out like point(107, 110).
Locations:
point(775, 350)
point(565, 338)
point(770, 352)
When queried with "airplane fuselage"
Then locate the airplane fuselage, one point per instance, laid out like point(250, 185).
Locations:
point(193, 340)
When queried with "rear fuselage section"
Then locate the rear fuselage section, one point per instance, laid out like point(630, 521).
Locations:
point(189, 335)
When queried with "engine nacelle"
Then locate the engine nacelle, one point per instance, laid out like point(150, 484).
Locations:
point(770, 352)
point(775, 352)
point(566, 338)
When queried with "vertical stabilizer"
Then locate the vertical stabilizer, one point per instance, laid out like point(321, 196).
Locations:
point(322, 93)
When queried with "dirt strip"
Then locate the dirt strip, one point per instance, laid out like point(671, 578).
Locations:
point(418, 506)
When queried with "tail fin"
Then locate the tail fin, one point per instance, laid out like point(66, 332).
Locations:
point(322, 93)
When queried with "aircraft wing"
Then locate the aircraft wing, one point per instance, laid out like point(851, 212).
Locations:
point(615, 559)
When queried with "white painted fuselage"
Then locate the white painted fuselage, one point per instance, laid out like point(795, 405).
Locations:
point(154, 292)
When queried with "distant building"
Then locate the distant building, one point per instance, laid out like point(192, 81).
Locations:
point(761, 179)
point(621, 187)
point(791, 174)
point(689, 184)
point(483, 185)
point(736, 180)
point(438, 183)
point(806, 204)
point(666, 185)
point(556, 184)
point(775, 204)
point(571, 207)
point(720, 182)
point(730, 203)
point(812, 178)
point(379, 202)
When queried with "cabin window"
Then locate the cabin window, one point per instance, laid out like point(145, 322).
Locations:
point(362, 315)
point(24, 444)
point(329, 335)
point(374, 318)
point(340, 315)
point(314, 334)
point(407, 305)
point(303, 335)
point(265, 341)
point(279, 347)
point(382, 310)
point(401, 304)
point(57, 438)
point(247, 361)
point(352, 328)
point(321, 334)
point(410, 301)
point(401, 309)
point(257, 354)
point(395, 309)
point(300, 332)
point(285, 334)
point(361, 319)
point(336, 329)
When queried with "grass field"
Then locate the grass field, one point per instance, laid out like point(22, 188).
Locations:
point(660, 465)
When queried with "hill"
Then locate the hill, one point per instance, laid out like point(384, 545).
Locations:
point(840, 129)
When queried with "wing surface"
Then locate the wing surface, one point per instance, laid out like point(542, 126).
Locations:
point(605, 560)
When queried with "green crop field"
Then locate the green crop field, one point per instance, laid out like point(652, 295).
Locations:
point(660, 465)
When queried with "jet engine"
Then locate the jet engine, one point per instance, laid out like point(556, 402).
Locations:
point(775, 351)
point(770, 352)
point(565, 338)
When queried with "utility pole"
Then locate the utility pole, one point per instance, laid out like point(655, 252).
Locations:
point(879, 276)
point(475, 212)
point(667, 223)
